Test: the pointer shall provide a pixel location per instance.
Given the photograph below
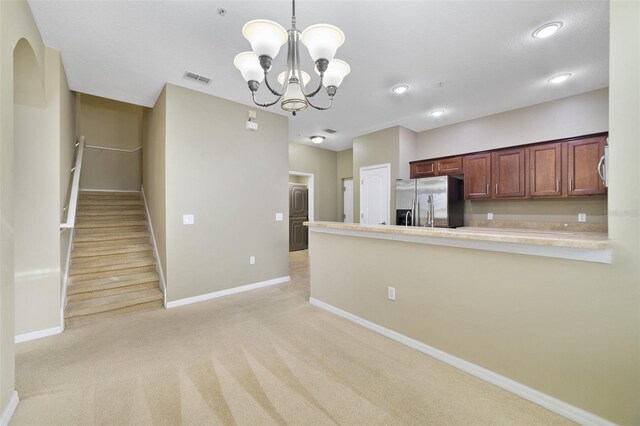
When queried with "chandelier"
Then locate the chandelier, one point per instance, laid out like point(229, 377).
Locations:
point(266, 38)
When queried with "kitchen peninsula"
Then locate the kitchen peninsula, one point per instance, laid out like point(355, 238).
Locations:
point(503, 305)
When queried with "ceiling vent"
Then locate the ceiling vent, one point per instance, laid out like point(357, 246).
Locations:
point(197, 77)
point(330, 131)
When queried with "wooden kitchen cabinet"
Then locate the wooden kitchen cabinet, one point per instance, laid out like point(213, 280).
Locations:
point(437, 167)
point(420, 169)
point(583, 157)
point(545, 170)
point(509, 173)
point(477, 176)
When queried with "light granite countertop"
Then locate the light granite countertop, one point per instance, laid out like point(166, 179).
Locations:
point(577, 240)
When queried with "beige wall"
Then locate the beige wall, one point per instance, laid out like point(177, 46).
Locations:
point(322, 163)
point(573, 116)
point(16, 22)
point(345, 171)
point(567, 328)
point(380, 147)
point(407, 147)
point(113, 124)
point(154, 168)
point(234, 181)
point(40, 250)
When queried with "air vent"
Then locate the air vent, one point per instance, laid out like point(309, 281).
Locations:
point(330, 131)
point(197, 77)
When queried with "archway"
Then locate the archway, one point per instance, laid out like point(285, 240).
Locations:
point(36, 266)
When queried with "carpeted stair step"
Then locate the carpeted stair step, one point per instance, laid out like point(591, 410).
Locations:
point(101, 287)
point(104, 237)
point(103, 213)
point(94, 224)
point(110, 202)
point(110, 194)
point(115, 258)
point(120, 228)
point(107, 268)
point(79, 253)
point(92, 309)
point(111, 217)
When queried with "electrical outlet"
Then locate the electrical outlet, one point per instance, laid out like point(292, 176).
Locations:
point(391, 293)
point(582, 217)
point(252, 260)
point(489, 216)
point(187, 219)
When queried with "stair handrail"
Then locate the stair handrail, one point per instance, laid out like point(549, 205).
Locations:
point(108, 148)
point(75, 188)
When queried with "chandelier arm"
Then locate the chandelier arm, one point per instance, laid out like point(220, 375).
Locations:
point(321, 108)
point(315, 92)
point(266, 81)
point(253, 95)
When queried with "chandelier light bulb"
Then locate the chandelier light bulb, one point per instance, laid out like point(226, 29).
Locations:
point(335, 73)
point(249, 66)
point(265, 37)
point(560, 78)
point(306, 78)
point(322, 40)
point(547, 30)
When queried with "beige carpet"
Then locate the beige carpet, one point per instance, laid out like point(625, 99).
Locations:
point(261, 357)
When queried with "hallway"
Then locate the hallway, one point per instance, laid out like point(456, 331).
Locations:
point(260, 357)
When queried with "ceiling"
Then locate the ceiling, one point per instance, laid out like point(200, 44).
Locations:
point(471, 58)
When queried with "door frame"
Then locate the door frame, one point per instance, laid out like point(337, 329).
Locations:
point(386, 166)
point(353, 219)
point(310, 187)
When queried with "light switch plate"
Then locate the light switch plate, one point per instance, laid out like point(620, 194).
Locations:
point(187, 219)
point(582, 217)
point(279, 217)
point(252, 260)
point(489, 216)
point(391, 293)
point(252, 114)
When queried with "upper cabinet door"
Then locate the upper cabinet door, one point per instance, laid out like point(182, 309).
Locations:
point(477, 176)
point(545, 170)
point(583, 157)
point(449, 166)
point(422, 169)
point(509, 173)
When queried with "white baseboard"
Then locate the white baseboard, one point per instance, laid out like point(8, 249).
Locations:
point(163, 284)
point(550, 403)
point(227, 292)
point(8, 411)
point(38, 334)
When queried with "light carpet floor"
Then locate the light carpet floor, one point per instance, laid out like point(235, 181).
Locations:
point(257, 358)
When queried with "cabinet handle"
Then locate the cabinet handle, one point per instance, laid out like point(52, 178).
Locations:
point(487, 189)
point(558, 185)
point(439, 166)
point(570, 185)
point(496, 188)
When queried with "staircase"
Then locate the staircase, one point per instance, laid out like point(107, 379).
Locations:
point(113, 270)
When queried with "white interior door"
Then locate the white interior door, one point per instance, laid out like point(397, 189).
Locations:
point(347, 192)
point(374, 195)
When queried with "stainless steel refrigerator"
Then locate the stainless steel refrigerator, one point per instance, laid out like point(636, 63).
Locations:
point(432, 202)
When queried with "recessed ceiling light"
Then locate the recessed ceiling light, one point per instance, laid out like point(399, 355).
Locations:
point(557, 79)
point(317, 139)
point(547, 30)
point(437, 113)
point(400, 89)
